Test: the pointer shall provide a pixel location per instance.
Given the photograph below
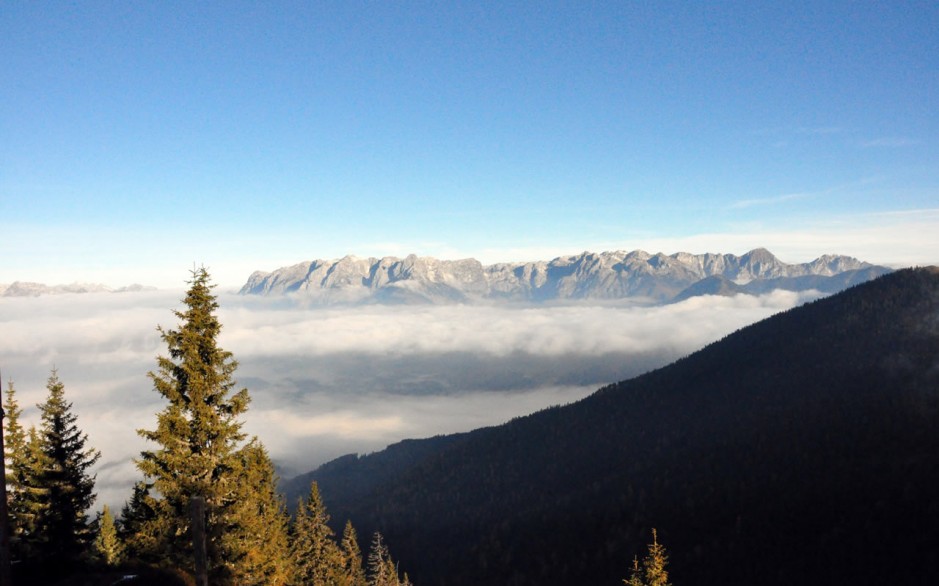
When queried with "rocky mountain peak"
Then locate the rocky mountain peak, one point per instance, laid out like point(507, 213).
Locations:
point(589, 275)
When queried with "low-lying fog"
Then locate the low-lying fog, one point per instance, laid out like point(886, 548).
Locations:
point(329, 381)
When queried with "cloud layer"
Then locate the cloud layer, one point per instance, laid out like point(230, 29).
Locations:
point(329, 381)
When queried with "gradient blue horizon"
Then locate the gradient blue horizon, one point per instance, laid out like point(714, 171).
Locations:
point(139, 138)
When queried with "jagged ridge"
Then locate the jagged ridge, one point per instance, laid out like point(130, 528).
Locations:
point(607, 275)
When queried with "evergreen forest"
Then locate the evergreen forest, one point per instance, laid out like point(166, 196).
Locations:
point(206, 509)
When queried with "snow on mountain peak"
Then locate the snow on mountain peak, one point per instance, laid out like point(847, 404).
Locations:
point(588, 275)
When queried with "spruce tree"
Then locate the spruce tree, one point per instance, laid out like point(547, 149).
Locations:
point(316, 557)
point(652, 572)
point(378, 561)
point(353, 574)
point(382, 570)
point(14, 436)
point(31, 499)
point(107, 545)
point(17, 470)
point(62, 473)
point(635, 575)
point(655, 562)
point(200, 445)
point(136, 516)
point(257, 546)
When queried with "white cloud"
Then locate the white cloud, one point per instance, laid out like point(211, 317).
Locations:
point(329, 381)
point(819, 130)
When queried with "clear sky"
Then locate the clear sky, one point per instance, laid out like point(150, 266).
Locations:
point(138, 138)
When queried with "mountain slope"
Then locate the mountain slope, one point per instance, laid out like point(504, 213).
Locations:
point(826, 284)
point(713, 285)
point(607, 275)
point(802, 449)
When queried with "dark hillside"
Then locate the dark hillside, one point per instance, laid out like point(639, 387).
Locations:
point(352, 478)
point(802, 449)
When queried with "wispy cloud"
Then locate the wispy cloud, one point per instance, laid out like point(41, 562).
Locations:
point(819, 130)
point(784, 198)
point(892, 142)
point(768, 201)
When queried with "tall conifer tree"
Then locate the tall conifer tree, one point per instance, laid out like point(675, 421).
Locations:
point(62, 473)
point(16, 457)
point(200, 443)
point(30, 501)
point(14, 436)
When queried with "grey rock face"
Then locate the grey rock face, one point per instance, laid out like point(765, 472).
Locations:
point(600, 276)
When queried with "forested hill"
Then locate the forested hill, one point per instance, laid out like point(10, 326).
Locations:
point(802, 449)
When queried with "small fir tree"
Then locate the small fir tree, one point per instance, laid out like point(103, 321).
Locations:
point(257, 546)
point(137, 515)
point(635, 575)
point(14, 436)
point(316, 557)
point(655, 562)
point(353, 574)
point(378, 563)
point(16, 458)
point(382, 570)
point(653, 571)
point(62, 472)
point(107, 545)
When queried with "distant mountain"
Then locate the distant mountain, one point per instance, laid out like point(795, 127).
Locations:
point(607, 275)
point(803, 449)
point(27, 289)
point(828, 284)
point(713, 285)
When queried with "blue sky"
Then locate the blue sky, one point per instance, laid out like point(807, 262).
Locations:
point(139, 138)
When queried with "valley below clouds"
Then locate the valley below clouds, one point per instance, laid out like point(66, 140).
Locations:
point(327, 381)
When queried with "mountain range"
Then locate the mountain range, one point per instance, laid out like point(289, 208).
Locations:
point(799, 450)
point(29, 289)
point(638, 275)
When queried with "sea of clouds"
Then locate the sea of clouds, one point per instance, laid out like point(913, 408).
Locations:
point(327, 381)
